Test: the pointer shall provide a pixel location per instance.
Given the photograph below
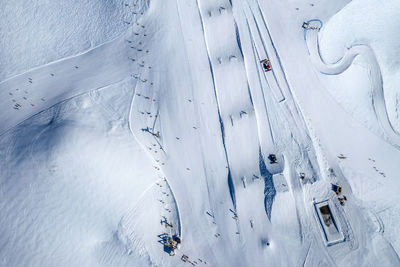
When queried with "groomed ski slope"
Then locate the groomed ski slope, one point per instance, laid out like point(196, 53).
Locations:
point(167, 129)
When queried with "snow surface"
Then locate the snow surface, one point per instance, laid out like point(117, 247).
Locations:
point(376, 25)
point(165, 125)
point(37, 32)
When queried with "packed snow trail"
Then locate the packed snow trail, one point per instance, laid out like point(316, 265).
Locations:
point(29, 93)
point(378, 97)
point(259, 33)
point(42, 88)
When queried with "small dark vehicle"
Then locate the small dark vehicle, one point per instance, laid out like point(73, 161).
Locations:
point(266, 64)
point(337, 189)
point(272, 158)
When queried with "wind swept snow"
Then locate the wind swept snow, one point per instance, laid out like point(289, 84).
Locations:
point(151, 134)
point(54, 30)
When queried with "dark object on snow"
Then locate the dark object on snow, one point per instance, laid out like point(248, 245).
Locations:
point(337, 189)
point(342, 200)
point(170, 245)
point(177, 239)
point(272, 158)
point(305, 25)
point(266, 64)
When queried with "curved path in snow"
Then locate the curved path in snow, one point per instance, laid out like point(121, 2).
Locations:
point(378, 98)
point(147, 139)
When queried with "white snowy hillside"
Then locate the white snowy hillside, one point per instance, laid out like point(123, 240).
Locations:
point(227, 133)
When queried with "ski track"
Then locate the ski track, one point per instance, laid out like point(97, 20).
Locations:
point(35, 89)
point(364, 50)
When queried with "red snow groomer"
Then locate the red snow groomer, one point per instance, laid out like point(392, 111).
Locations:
point(266, 64)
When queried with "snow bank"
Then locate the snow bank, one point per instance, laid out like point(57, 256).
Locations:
point(33, 33)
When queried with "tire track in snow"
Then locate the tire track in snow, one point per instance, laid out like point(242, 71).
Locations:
point(279, 83)
point(289, 107)
point(262, 53)
point(364, 50)
point(266, 137)
point(263, 43)
point(260, 86)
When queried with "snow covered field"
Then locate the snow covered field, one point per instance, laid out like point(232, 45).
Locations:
point(126, 124)
point(34, 32)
